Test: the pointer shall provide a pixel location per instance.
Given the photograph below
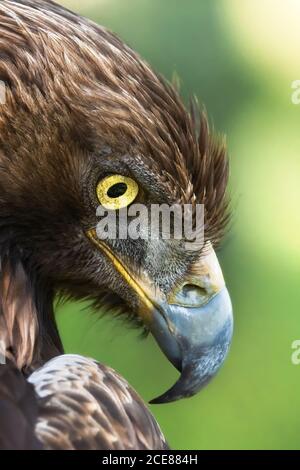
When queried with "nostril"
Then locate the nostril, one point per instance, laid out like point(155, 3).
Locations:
point(190, 295)
point(192, 290)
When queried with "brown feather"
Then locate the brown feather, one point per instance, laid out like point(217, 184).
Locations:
point(69, 79)
point(18, 319)
point(18, 411)
point(73, 89)
point(85, 405)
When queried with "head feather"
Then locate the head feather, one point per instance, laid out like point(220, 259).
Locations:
point(70, 80)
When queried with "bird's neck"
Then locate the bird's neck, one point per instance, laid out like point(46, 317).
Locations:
point(18, 320)
point(28, 332)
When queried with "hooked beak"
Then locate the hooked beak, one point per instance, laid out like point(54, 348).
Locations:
point(195, 329)
point(196, 340)
point(193, 326)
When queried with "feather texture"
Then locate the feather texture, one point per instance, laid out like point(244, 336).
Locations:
point(85, 405)
point(76, 95)
point(18, 410)
point(64, 69)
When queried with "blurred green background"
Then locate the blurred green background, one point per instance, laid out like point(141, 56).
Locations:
point(240, 58)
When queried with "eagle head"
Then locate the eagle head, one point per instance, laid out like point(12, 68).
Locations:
point(87, 123)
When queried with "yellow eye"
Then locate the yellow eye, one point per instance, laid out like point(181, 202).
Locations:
point(116, 191)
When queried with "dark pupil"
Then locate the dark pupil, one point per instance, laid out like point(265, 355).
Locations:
point(117, 190)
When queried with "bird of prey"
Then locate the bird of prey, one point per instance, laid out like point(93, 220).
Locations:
point(85, 121)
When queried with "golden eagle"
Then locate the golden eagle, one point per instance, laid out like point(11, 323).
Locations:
point(85, 121)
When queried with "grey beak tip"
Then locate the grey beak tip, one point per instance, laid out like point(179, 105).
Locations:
point(171, 395)
point(183, 388)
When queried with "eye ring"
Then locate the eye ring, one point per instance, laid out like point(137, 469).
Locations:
point(116, 191)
